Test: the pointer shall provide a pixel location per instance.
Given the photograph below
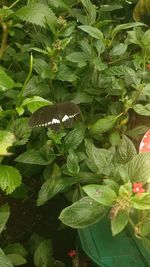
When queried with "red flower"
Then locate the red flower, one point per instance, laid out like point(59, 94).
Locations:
point(148, 66)
point(72, 253)
point(137, 188)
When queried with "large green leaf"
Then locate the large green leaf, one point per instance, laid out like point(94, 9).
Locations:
point(90, 9)
point(15, 248)
point(139, 168)
point(142, 109)
point(6, 140)
point(52, 187)
point(6, 81)
point(10, 178)
point(82, 213)
point(33, 156)
point(101, 193)
point(119, 222)
point(125, 26)
point(43, 254)
point(16, 259)
point(4, 215)
point(141, 201)
point(38, 14)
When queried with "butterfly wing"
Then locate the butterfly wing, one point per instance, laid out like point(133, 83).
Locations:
point(45, 117)
point(67, 112)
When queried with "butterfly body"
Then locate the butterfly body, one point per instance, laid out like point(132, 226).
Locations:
point(54, 116)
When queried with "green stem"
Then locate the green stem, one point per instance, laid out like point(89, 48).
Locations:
point(14, 4)
point(26, 81)
point(4, 39)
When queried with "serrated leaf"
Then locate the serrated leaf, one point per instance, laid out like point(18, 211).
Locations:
point(33, 156)
point(53, 186)
point(90, 9)
point(16, 259)
point(119, 222)
point(125, 151)
point(141, 201)
point(4, 260)
point(82, 213)
point(92, 31)
point(103, 125)
point(78, 57)
point(4, 216)
point(101, 193)
point(74, 138)
point(139, 168)
point(32, 104)
point(119, 49)
point(65, 73)
point(6, 82)
point(6, 140)
point(43, 254)
point(72, 163)
point(10, 178)
point(39, 14)
point(21, 131)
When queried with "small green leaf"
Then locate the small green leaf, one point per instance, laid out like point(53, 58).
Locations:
point(78, 57)
point(101, 193)
point(92, 31)
point(141, 201)
point(43, 254)
point(74, 138)
point(139, 168)
point(103, 125)
point(16, 259)
point(4, 260)
point(10, 178)
point(65, 73)
point(137, 131)
point(145, 228)
point(90, 9)
point(125, 26)
point(4, 216)
point(15, 248)
point(142, 109)
point(72, 163)
point(119, 222)
point(6, 81)
point(118, 49)
point(125, 151)
point(146, 244)
point(6, 140)
point(33, 156)
point(82, 213)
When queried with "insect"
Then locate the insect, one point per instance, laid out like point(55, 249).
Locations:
point(55, 116)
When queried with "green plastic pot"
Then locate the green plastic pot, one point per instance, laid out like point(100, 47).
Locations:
point(123, 250)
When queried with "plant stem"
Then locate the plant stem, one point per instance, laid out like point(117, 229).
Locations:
point(14, 4)
point(4, 39)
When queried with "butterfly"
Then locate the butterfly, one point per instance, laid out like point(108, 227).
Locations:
point(55, 116)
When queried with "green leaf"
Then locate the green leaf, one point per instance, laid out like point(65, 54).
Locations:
point(6, 140)
point(15, 248)
point(53, 186)
point(146, 244)
point(65, 73)
point(118, 49)
point(33, 103)
point(16, 259)
point(72, 163)
point(6, 81)
point(92, 31)
point(90, 9)
point(137, 131)
point(80, 58)
point(38, 14)
point(4, 215)
point(119, 222)
point(101, 193)
point(82, 213)
point(125, 26)
point(33, 156)
point(142, 109)
point(21, 131)
point(74, 138)
point(103, 125)
point(99, 160)
point(10, 178)
point(145, 228)
point(125, 190)
point(4, 260)
point(43, 254)
point(139, 168)
point(125, 151)
point(141, 201)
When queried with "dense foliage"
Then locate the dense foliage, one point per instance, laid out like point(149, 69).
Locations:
point(96, 55)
